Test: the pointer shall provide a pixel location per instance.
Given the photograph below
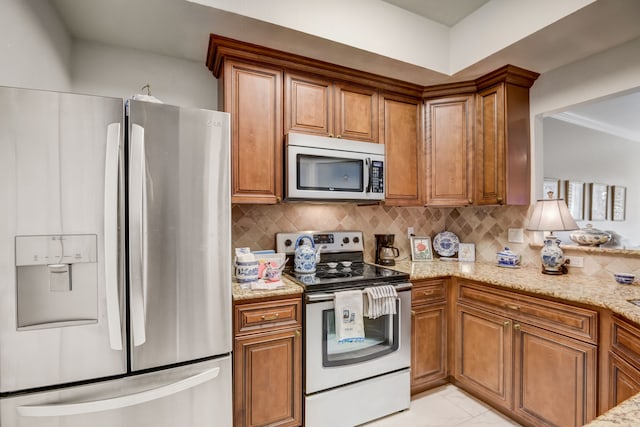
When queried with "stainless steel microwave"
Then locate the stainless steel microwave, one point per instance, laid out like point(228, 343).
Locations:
point(322, 168)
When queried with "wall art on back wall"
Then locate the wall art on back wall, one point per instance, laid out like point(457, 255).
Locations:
point(551, 185)
point(421, 249)
point(574, 191)
point(598, 194)
point(618, 202)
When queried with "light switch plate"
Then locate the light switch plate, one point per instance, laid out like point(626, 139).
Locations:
point(516, 235)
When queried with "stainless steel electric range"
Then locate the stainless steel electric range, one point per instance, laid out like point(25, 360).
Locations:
point(347, 384)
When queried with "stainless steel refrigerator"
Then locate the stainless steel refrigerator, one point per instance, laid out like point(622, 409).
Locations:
point(115, 246)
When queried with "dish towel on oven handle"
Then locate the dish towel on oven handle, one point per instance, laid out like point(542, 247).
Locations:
point(348, 312)
point(380, 301)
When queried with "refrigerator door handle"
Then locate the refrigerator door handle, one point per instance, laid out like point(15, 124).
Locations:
point(138, 234)
point(65, 409)
point(111, 235)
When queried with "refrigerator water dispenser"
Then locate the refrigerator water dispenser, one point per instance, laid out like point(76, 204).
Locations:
point(57, 280)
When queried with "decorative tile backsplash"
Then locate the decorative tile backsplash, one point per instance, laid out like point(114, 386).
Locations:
point(255, 226)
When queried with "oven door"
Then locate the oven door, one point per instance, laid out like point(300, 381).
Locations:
point(387, 346)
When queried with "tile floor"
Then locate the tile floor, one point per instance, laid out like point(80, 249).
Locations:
point(444, 406)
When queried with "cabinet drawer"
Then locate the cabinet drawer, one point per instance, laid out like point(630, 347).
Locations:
point(569, 320)
point(264, 316)
point(625, 340)
point(428, 291)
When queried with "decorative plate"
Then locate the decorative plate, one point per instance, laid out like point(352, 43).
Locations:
point(446, 243)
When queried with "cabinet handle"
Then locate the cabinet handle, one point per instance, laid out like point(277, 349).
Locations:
point(506, 323)
point(270, 317)
point(427, 293)
point(512, 307)
point(470, 201)
point(516, 327)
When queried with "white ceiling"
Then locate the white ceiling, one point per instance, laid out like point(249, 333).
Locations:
point(181, 29)
point(446, 12)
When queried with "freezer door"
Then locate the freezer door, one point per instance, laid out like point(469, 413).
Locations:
point(61, 296)
point(179, 234)
point(197, 395)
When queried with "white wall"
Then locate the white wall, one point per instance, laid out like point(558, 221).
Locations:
point(38, 53)
point(109, 71)
point(612, 71)
point(34, 46)
point(573, 152)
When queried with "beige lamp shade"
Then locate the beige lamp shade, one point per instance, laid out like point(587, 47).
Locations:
point(551, 215)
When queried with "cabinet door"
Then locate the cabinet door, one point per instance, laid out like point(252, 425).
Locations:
point(624, 380)
point(356, 112)
point(428, 347)
point(253, 96)
point(308, 104)
point(400, 133)
point(555, 378)
point(483, 349)
point(490, 146)
point(268, 380)
point(449, 150)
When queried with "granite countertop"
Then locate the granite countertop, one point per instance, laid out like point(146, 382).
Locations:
point(289, 289)
point(598, 292)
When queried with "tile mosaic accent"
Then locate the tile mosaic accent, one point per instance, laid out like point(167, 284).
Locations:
point(255, 226)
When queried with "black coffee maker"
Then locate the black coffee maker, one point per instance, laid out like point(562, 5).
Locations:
point(386, 253)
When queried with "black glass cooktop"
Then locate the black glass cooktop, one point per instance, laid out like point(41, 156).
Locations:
point(357, 276)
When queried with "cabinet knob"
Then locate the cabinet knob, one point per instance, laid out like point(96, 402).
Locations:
point(470, 201)
point(506, 323)
point(338, 136)
point(330, 135)
point(278, 199)
point(413, 313)
point(516, 327)
point(512, 307)
point(499, 200)
point(298, 332)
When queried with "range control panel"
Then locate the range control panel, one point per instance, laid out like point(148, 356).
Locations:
point(327, 241)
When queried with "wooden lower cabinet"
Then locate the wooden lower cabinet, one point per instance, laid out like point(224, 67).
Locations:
point(554, 378)
point(268, 364)
point(535, 374)
point(428, 335)
point(624, 380)
point(483, 350)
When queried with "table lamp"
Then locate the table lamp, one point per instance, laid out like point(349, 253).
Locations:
point(552, 215)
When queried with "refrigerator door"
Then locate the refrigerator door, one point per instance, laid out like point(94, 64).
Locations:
point(179, 234)
point(61, 293)
point(195, 395)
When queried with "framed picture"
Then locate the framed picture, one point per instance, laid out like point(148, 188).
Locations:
point(598, 195)
point(618, 202)
point(551, 185)
point(574, 197)
point(467, 252)
point(421, 249)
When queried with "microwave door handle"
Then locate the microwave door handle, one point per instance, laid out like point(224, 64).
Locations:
point(111, 278)
point(367, 174)
point(138, 234)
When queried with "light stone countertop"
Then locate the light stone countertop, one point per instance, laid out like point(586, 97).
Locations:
point(605, 293)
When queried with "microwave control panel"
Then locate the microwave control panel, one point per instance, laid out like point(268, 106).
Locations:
point(376, 180)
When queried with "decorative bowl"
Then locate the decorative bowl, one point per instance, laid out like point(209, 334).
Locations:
point(590, 236)
point(624, 278)
point(507, 258)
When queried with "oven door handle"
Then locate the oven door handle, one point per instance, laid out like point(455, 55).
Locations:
point(328, 296)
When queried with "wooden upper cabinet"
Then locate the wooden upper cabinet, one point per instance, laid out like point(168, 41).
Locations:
point(502, 148)
point(356, 112)
point(401, 134)
point(449, 124)
point(308, 104)
point(321, 106)
point(253, 95)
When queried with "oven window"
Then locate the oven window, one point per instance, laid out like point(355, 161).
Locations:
point(329, 173)
point(381, 337)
